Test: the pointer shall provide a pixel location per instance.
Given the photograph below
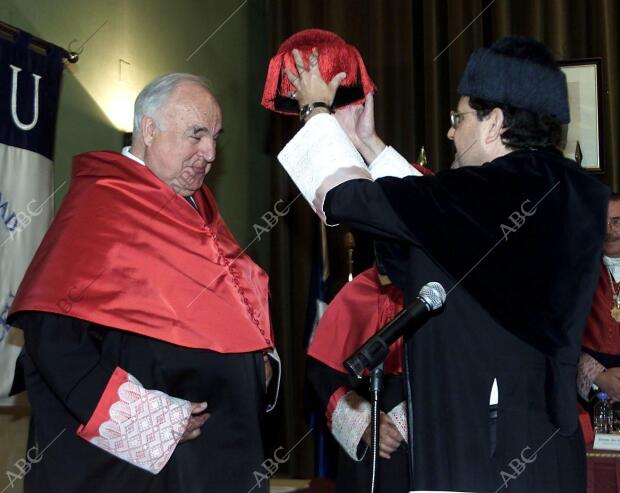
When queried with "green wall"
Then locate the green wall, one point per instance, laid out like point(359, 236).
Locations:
point(152, 38)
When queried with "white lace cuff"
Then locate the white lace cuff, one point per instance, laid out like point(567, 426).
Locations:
point(391, 163)
point(588, 369)
point(349, 420)
point(140, 426)
point(398, 415)
point(319, 158)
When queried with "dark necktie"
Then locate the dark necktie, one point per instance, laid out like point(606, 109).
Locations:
point(191, 202)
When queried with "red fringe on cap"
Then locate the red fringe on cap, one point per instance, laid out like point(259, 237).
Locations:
point(335, 56)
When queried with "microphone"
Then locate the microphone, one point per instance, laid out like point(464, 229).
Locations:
point(374, 351)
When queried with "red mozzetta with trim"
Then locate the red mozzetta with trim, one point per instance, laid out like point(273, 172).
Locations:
point(126, 251)
point(360, 309)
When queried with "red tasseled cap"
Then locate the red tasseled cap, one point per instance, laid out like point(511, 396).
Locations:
point(335, 56)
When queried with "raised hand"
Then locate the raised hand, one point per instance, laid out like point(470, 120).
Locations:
point(349, 118)
point(358, 122)
point(309, 85)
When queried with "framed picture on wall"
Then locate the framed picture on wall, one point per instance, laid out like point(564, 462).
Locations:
point(582, 137)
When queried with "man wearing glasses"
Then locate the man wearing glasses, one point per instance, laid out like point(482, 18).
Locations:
point(514, 234)
point(599, 363)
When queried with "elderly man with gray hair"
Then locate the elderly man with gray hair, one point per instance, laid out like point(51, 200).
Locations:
point(148, 337)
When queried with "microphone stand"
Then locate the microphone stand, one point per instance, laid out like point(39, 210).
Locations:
point(376, 386)
point(372, 354)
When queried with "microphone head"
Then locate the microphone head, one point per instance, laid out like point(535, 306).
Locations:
point(433, 294)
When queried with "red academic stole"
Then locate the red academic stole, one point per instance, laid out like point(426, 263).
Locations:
point(358, 311)
point(126, 251)
point(602, 333)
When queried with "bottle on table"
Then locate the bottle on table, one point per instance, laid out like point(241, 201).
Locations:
point(603, 414)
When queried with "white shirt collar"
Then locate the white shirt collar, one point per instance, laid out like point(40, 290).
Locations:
point(613, 264)
point(127, 153)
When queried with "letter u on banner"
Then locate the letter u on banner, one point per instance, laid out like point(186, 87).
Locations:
point(35, 100)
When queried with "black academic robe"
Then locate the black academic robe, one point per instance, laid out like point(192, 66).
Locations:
point(66, 365)
point(516, 243)
point(128, 321)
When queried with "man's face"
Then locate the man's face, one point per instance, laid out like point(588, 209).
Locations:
point(468, 137)
point(181, 147)
point(611, 247)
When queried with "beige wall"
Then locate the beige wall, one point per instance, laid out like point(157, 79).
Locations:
point(152, 37)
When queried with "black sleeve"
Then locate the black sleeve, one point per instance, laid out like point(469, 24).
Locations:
point(325, 380)
point(67, 353)
point(363, 205)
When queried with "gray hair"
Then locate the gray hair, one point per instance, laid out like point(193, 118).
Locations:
point(155, 95)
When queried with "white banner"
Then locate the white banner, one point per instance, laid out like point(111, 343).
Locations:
point(29, 88)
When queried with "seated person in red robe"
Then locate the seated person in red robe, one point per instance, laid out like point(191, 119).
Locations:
point(599, 363)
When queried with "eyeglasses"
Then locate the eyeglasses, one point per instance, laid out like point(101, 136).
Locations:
point(614, 222)
point(456, 117)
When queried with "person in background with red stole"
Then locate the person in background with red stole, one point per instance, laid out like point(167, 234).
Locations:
point(149, 347)
point(599, 363)
point(361, 308)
